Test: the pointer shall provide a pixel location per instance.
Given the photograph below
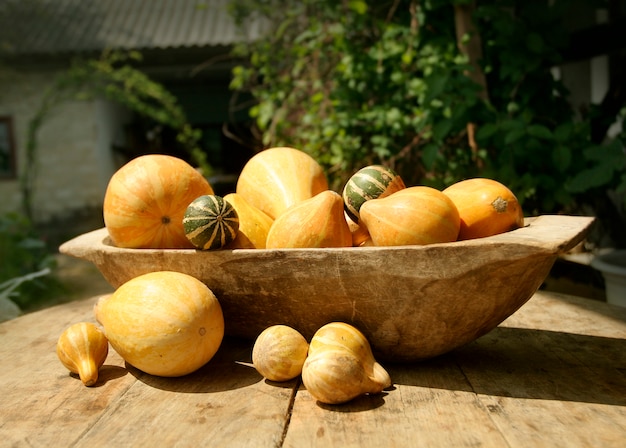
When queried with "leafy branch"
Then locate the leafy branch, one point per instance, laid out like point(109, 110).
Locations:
point(113, 77)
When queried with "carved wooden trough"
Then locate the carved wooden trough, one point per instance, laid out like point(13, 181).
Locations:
point(412, 302)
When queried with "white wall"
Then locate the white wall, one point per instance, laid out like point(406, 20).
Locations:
point(75, 159)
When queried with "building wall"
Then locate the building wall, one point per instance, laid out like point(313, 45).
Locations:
point(74, 159)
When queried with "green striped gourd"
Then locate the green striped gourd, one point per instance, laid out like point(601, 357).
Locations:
point(371, 182)
point(210, 222)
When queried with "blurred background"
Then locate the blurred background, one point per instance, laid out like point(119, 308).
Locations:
point(529, 93)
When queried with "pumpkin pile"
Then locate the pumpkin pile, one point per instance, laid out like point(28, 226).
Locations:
point(171, 324)
point(283, 200)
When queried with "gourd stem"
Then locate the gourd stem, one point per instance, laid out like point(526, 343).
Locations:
point(88, 372)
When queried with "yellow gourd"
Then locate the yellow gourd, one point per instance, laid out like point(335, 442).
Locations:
point(82, 348)
point(315, 222)
point(414, 215)
point(359, 232)
point(163, 323)
point(341, 366)
point(277, 178)
point(486, 207)
point(253, 224)
point(279, 353)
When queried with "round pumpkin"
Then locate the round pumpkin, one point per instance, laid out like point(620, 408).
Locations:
point(486, 207)
point(371, 182)
point(277, 178)
point(146, 199)
point(414, 215)
point(163, 323)
point(210, 222)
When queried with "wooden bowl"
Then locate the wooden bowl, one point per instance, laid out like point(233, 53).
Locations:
point(411, 302)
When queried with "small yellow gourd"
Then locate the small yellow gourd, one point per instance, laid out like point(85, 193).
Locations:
point(341, 366)
point(337, 376)
point(82, 348)
point(279, 353)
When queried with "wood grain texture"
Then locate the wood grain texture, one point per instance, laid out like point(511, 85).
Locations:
point(411, 302)
point(552, 374)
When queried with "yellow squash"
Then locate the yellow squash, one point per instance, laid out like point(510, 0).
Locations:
point(414, 215)
point(277, 178)
point(253, 224)
point(315, 222)
point(163, 323)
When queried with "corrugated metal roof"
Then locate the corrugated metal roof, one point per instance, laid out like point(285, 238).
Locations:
point(74, 26)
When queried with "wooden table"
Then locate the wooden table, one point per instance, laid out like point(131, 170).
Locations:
point(553, 374)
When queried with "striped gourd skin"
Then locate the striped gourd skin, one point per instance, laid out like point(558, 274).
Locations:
point(210, 222)
point(371, 182)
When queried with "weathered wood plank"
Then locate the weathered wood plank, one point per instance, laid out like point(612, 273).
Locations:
point(564, 383)
point(41, 404)
point(225, 402)
point(553, 374)
point(520, 385)
point(430, 404)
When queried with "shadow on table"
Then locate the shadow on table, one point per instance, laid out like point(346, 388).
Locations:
point(526, 363)
point(229, 369)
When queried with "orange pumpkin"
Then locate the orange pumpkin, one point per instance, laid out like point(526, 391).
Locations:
point(486, 207)
point(414, 215)
point(146, 199)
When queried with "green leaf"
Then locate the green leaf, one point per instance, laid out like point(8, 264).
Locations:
point(585, 180)
point(540, 131)
point(561, 158)
point(441, 129)
point(486, 131)
point(514, 135)
point(563, 131)
point(429, 155)
point(534, 42)
point(358, 6)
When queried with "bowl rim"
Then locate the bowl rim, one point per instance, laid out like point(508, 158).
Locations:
point(551, 234)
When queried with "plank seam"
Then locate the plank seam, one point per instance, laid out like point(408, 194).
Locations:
point(289, 413)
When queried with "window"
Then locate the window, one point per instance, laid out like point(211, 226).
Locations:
point(7, 149)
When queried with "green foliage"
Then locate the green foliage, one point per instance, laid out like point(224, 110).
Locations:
point(354, 83)
point(24, 255)
point(360, 82)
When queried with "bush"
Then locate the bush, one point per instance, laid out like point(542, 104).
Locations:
point(26, 265)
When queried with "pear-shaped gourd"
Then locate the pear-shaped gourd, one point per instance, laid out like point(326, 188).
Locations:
point(277, 178)
point(315, 222)
point(82, 348)
point(253, 224)
point(340, 365)
point(414, 215)
point(337, 376)
point(343, 336)
point(279, 353)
